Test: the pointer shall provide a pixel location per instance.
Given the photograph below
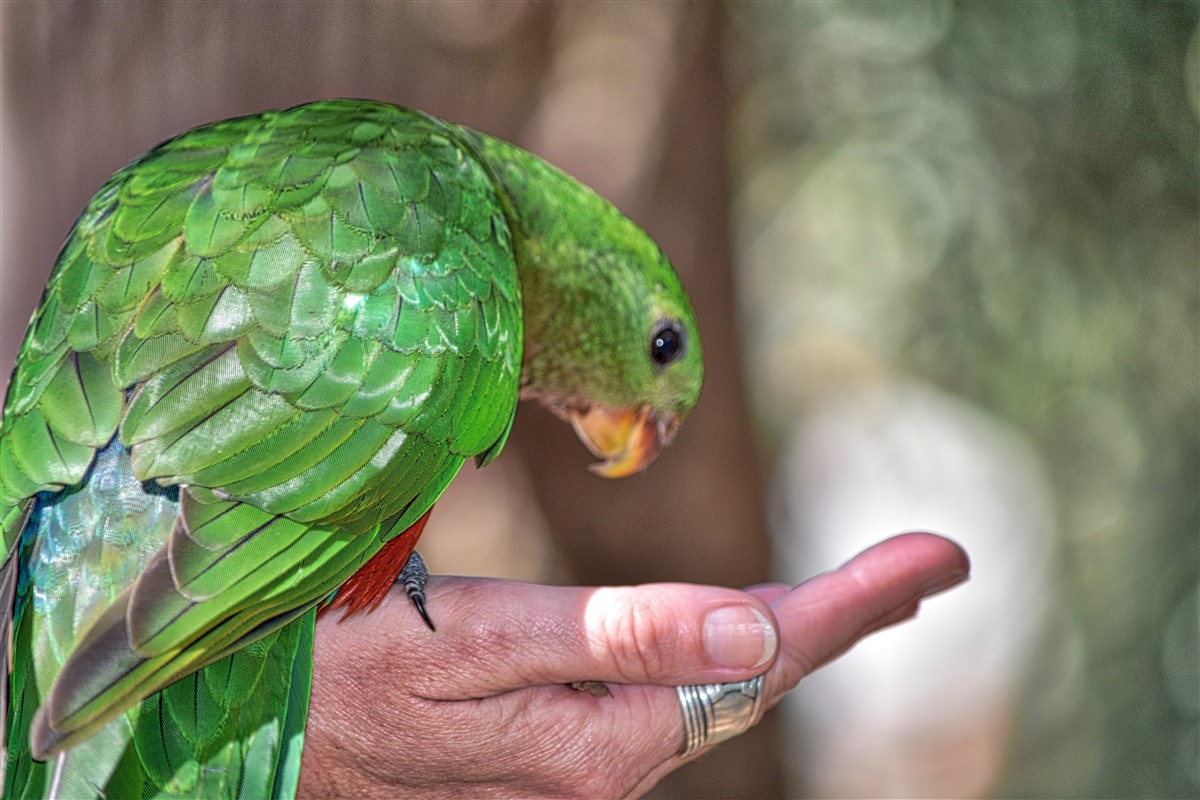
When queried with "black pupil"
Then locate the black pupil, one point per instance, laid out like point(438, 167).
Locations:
point(666, 345)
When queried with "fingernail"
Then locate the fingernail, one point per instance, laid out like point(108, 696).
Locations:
point(942, 583)
point(739, 637)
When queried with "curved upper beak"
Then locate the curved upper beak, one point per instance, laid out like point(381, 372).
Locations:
point(628, 439)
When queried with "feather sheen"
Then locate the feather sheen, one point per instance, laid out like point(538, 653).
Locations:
point(268, 344)
point(267, 347)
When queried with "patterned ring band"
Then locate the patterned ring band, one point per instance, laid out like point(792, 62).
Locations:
point(715, 712)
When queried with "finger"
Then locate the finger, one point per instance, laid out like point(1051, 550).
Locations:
point(768, 592)
point(503, 651)
point(824, 617)
point(494, 636)
point(365, 738)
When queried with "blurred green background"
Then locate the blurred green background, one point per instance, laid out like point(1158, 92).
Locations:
point(947, 262)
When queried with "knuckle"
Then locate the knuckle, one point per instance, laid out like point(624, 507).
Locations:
point(638, 636)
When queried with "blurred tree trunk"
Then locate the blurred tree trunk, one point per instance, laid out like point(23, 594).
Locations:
point(631, 98)
point(696, 515)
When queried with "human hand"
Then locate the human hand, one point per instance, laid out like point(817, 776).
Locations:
point(482, 707)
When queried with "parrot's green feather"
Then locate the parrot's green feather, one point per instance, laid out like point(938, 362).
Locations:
point(267, 347)
point(267, 307)
point(84, 384)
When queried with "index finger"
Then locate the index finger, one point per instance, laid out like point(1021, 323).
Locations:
point(824, 617)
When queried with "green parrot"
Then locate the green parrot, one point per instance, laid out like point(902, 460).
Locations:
point(267, 347)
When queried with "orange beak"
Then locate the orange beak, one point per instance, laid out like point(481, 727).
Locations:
point(628, 439)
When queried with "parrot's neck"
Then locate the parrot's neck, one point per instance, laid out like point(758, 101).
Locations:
point(571, 245)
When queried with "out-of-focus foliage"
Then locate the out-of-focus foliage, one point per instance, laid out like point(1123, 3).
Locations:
point(1003, 200)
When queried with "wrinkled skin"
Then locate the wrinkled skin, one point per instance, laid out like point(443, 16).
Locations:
point(480, 709)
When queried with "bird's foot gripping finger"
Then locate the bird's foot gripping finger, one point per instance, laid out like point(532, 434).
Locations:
point(413, 578)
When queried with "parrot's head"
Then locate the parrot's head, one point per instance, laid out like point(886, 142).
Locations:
point(611, 343)
point(625, 368)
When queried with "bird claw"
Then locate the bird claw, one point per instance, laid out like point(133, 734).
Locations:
point(413, 578)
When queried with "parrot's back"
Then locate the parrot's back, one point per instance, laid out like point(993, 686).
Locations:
point(266, 348)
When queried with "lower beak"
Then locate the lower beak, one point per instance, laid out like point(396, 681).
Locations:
point(628, 439)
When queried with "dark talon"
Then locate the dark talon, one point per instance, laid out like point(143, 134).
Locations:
point(414, 576)
point(418, 599)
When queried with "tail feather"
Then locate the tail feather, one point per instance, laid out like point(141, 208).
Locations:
point(232, 729)
point(8, 591)
point(212, 734)
point(12, 525)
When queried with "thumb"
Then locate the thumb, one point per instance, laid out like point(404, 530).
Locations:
point(494, 636)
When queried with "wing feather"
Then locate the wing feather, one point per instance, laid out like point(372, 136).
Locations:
point(305, 320)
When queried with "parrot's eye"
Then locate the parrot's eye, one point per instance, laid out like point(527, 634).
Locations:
point(666, 345)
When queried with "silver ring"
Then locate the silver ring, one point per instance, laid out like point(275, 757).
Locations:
point(715, 712)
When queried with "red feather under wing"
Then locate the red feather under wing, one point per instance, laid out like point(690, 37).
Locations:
point(365, 589)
